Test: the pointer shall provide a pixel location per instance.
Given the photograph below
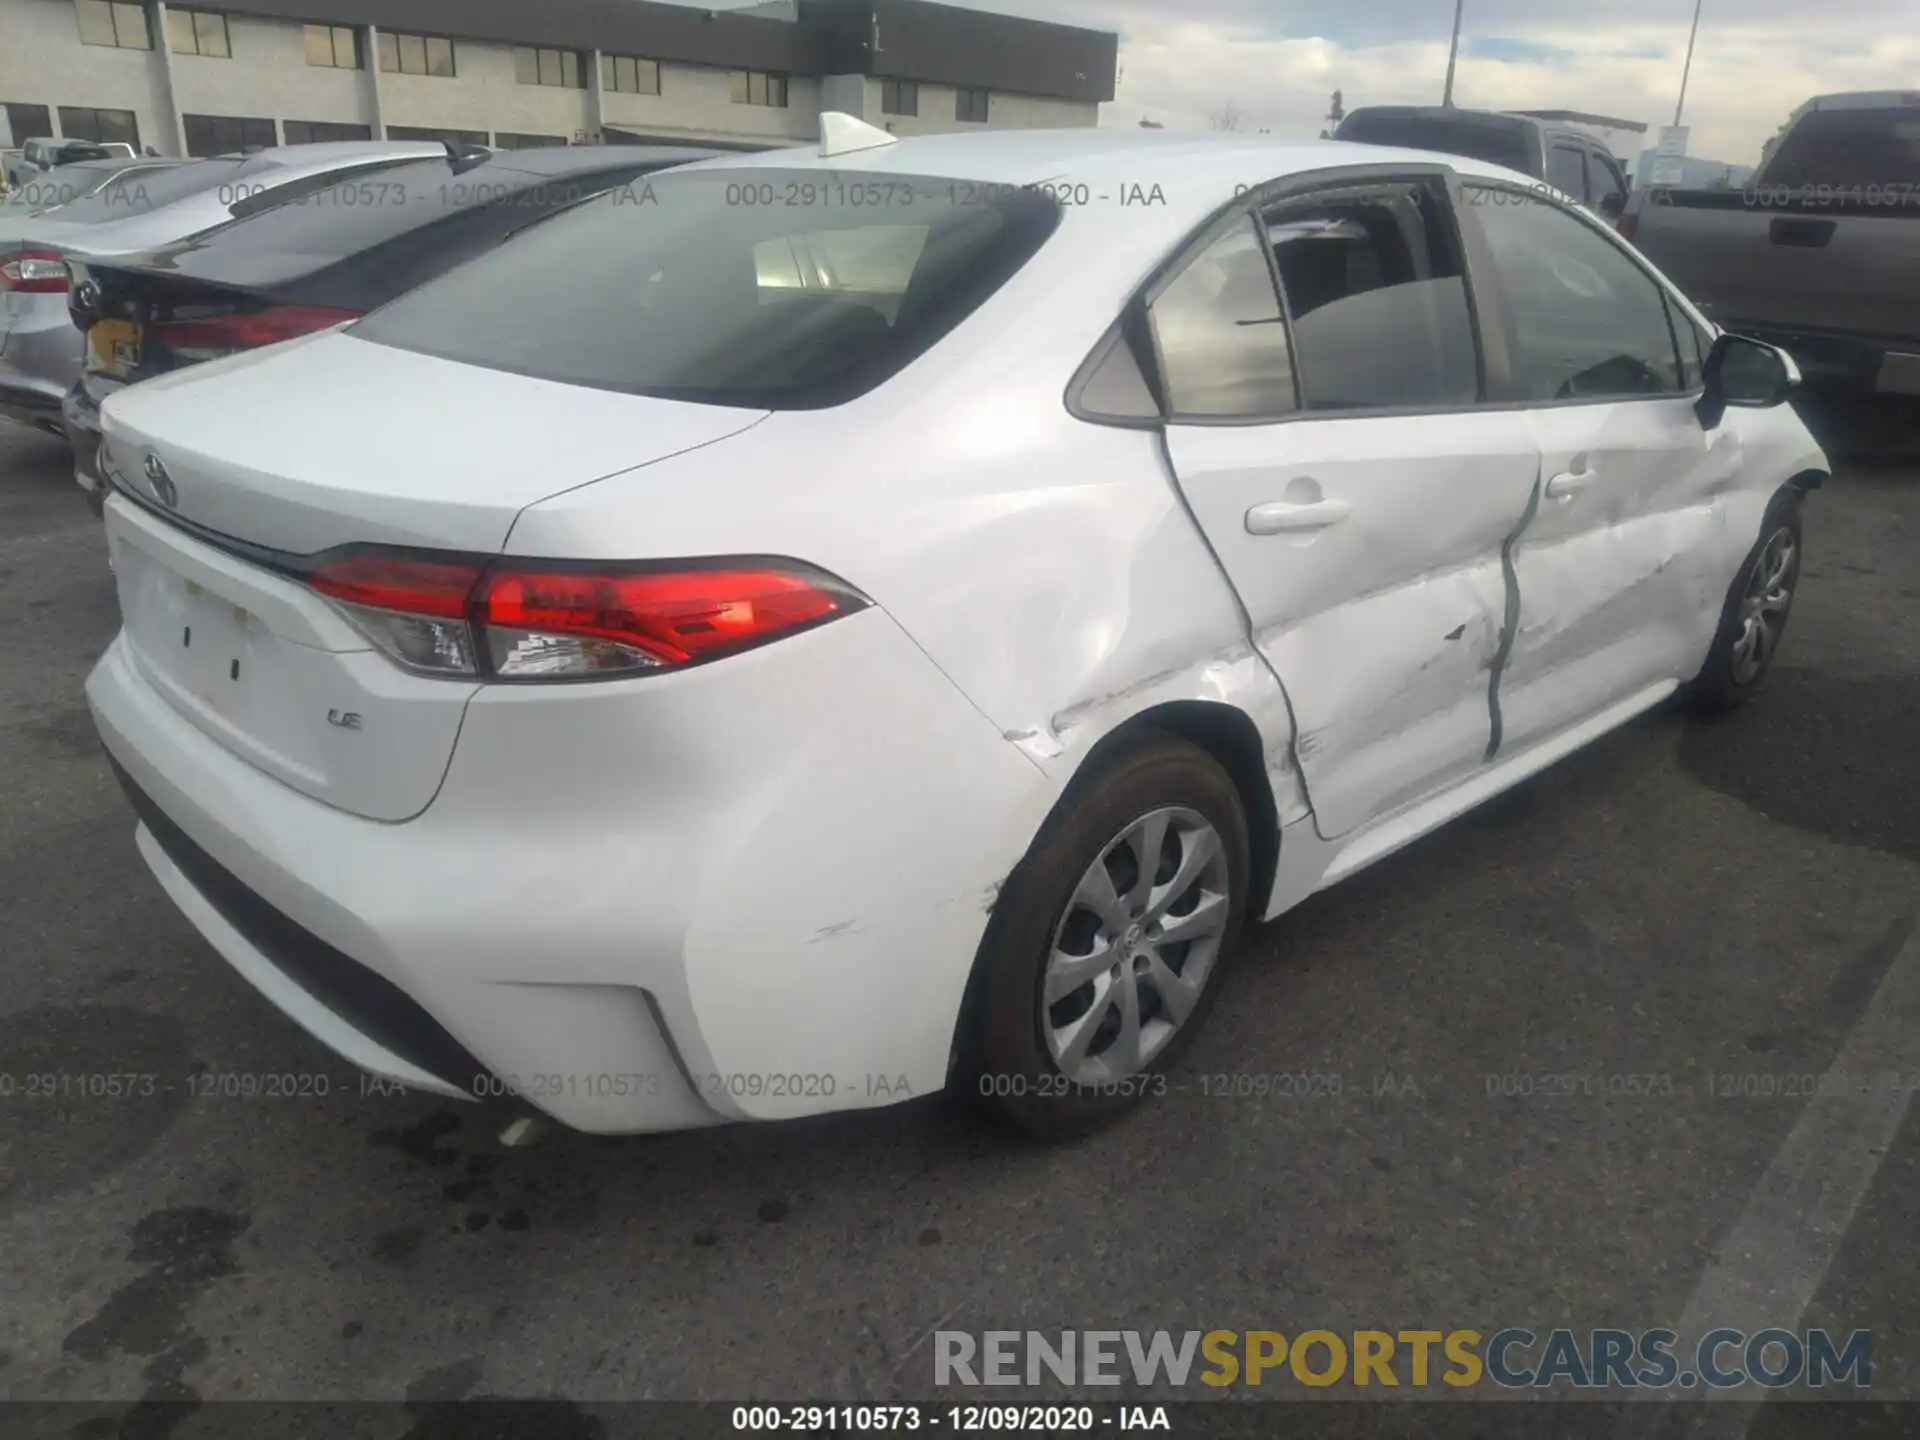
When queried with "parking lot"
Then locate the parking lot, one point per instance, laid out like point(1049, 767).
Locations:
point(1712, 908)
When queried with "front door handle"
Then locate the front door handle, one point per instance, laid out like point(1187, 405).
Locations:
point(1286, 517)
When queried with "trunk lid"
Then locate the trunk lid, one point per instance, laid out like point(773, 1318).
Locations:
point(330, 440)
point(323, 442)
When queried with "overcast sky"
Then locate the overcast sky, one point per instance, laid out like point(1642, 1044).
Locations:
point(1278, 61)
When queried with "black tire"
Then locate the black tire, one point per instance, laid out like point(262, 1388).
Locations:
point(1005, 1065)
point(1721, 687)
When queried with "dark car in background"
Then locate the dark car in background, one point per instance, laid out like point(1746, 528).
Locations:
point(1569, 160)
point(319, 261)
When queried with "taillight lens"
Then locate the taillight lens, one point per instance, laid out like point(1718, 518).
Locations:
point(530, 621)
point(213, 336)
point(1628, 226)
point(34, 272)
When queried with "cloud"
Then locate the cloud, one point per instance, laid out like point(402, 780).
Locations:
point(1279, 61)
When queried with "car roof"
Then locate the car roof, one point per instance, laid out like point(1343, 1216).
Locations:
point(1196, 172)
point(574, 159)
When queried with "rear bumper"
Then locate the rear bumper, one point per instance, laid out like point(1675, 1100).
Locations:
point(752, 892)
point(1875, 364)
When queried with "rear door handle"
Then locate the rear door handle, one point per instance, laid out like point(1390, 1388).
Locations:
point(1286, 517)
point(1569, 483)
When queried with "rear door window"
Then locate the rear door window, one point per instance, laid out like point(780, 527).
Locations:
point(1869, 150)
point(682, 291)
point(1498, 142)
point(1377, 298)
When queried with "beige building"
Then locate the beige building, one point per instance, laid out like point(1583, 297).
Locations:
point(215, 77)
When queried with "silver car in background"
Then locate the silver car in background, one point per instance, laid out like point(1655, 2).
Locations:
point(40, 350)
point(51, 189)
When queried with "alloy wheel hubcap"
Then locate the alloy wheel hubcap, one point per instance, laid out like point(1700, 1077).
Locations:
point(1135, 947)
point(1764, 606)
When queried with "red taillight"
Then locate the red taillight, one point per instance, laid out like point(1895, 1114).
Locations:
point(217, 335)
point(531, 621)
point(413, 587)
point(672, 616)
point(1628, 226)
point(34, 272)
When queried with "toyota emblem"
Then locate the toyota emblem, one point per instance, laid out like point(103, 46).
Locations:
point(162, 483)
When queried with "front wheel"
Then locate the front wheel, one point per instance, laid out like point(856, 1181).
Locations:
point(1106, 948)
point(1756, 613)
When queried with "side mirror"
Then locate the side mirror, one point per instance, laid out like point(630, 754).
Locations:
point(1747, 373)
point(1613, 204)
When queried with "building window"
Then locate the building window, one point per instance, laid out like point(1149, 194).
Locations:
point(116, 24)
point(416, 54)
point(505, 141)
point(756, 87)
point(630, 75)
point(320, 132)
point(334, 47)
point(198, 32)
point(29, 122)
point(899, 97)
point(226, 134)
point(103, 127)
point(439, 137)
point(970, 105)
point(559, 68)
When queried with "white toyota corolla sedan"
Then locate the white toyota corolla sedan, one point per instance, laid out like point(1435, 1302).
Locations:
point(821, 627)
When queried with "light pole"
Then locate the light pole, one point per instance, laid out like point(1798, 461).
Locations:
point(1685, 69)
point(1453, 50)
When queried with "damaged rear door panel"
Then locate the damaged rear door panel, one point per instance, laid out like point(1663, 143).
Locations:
point(1354, 490)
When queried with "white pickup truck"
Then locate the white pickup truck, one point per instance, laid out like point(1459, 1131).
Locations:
point(1819, 252)
point(36, 157)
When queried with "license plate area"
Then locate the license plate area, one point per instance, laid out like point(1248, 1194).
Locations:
point(210, 650)
point(113, 347)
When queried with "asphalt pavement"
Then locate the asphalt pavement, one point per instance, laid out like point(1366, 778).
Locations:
point(1698, 904)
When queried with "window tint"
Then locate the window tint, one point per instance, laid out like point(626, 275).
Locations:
point(1567, 171)
point(1588, 322)
point(672, 291)
point(1221, 339)
point(1377, 299)
point(1848, 148)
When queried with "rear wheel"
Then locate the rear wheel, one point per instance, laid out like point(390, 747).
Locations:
point(1106, 948)
point(1756, 613)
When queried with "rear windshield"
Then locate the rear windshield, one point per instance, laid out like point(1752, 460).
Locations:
point(146, 190)
point(1849, 148)
point(772, 289)
point(352, 215)
point(1496, 144)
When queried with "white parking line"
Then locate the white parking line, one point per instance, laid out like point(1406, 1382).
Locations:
point(1766, 1271)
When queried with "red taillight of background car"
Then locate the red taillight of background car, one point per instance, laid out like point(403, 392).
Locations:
point(528, 621)
point(1628, 226)
point(34, 272)
point(213, 336)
